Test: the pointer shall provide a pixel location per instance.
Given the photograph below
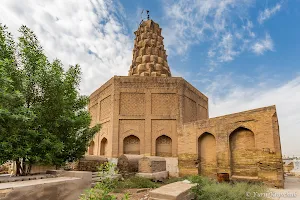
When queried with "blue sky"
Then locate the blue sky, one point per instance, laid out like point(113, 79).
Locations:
point(242, 54)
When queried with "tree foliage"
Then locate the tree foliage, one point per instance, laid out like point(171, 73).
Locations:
point(43, 118)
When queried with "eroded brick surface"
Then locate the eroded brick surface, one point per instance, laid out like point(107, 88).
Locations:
point(247, 146)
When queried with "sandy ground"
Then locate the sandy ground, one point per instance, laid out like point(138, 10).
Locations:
point(291, 190)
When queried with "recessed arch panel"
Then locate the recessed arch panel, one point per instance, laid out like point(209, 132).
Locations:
point(131, 145)
point(91, 148)
point(164, 146)
point(207, 155)
point(103, 147)
point(243, 153)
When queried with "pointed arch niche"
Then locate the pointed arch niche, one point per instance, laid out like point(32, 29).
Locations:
point(91, 148)
point(103, 147)
point(207, 155)
point(242, 152)
point(164, 146)
point(131, 145)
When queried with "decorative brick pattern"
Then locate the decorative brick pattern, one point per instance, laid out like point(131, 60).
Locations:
point(164, 104)
point(190, 110)
point(105, 107)
point(94, 114)
point(132, 104)
point(104, 129)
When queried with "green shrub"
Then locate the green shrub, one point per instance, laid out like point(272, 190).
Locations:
point(137, 182)
point(208, 189)
point(174, 179)
point(102, 189)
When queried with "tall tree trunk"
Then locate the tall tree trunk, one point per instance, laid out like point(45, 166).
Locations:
point(28, 168)
point(23, 167)
point(18, 168)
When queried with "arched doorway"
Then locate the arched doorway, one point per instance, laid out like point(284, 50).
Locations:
point(103, 147)
point(243, 153)
point(91, 148)
point(164, 146)
point(207, 155)
point(131, 145)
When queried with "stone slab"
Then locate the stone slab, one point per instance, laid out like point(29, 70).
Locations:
point(172, 166)
point(5, 179)
point(174, 191)
point(61, 188)
point(34, 182)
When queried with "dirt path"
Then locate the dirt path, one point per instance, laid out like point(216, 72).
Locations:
point(291, 189)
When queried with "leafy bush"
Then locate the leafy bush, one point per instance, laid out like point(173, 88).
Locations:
point(208, 189)
point(102, 189)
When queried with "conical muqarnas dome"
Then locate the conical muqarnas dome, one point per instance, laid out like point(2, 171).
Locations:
point(149, 55)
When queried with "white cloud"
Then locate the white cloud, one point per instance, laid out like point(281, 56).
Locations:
point(223, 26)
point(263, 45)
point(90, 33)
point(208, 21)
point(268, 12)
point(228, 96)
point(226, 48)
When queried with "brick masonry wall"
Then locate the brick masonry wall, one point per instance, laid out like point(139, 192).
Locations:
point(150, 107)
point(246, 145)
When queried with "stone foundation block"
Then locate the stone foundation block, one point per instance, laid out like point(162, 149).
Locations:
point(91, 163)
point(128, 163)
point(156, 176)
point(152, 164)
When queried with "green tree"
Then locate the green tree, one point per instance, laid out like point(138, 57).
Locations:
point(55, 122)
point(14, 117)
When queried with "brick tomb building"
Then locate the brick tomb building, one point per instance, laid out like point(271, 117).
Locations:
point(149, 112)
